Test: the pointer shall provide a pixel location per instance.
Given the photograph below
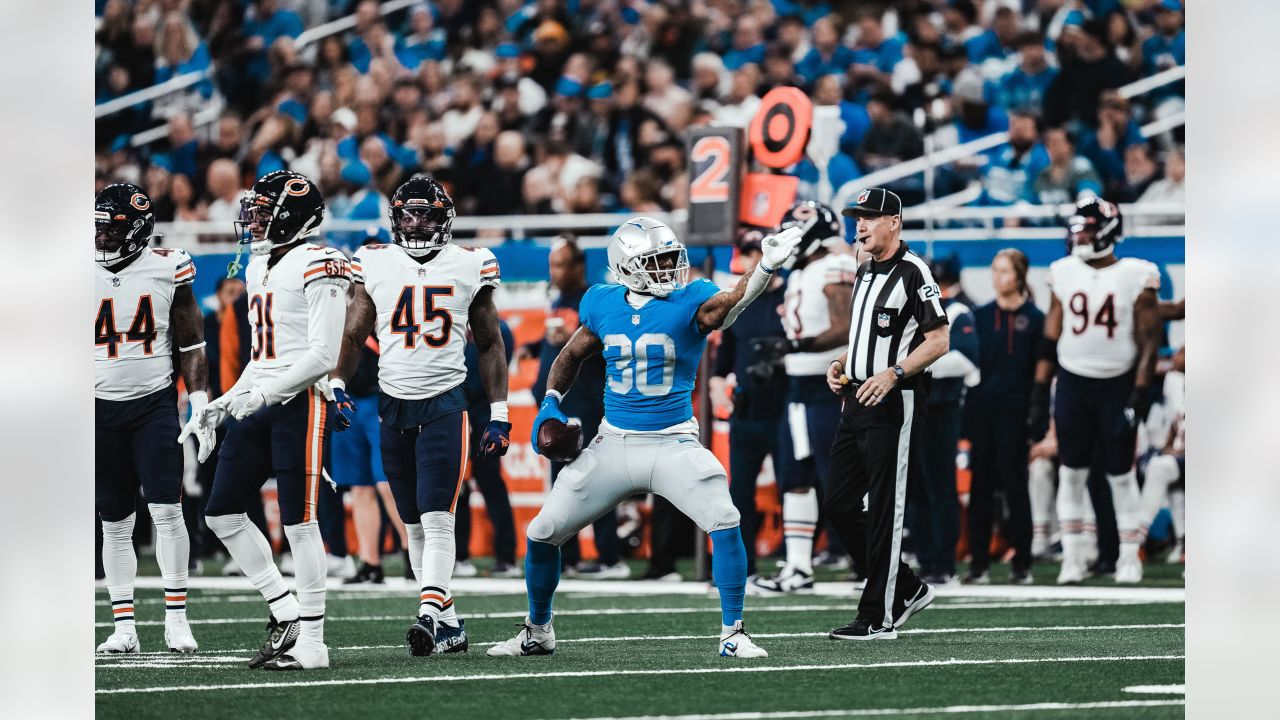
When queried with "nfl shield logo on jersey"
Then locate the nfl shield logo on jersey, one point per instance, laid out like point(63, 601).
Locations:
point(635, 319)
point(115, 282)
point(882, 320)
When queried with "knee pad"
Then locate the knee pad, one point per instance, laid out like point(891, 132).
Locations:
point(722, 517)
point(224, 526)
point(119, 531)
point(541, 529)
point(168, 519)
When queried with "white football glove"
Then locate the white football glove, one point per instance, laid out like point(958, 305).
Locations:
point(247, 403)
point(777, 249)
point(202, 411)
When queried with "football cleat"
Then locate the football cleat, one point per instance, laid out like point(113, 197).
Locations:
point(1128, 571)
point(281, 637)
point(465, 569)
point(1021, 576)
point(303, 656)
point(531, 640)
point(367, 574)
point(422, 636)
point(120, 642)
point(921, 600)
point(861, 629)
point(737, 643)
point(505, 570)
point(789, 581)
point(1072, 572)
point(450, 638)
point(178, 637)
point(977, 578)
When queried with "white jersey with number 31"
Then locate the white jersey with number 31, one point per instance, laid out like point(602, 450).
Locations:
point(422, 314)
point(1097, 338)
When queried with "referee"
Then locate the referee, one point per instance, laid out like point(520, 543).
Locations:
point(898, 329)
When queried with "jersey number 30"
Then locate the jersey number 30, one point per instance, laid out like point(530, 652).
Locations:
point(624, 376)
point(142, 330)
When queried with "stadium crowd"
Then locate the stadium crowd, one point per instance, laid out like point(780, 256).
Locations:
point(564, 106)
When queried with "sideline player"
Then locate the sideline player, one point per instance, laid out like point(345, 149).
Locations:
point(1104, 358)
point(816, 319)
point(651, 330)
point(419, 294)
point(144, 296)
point(297, 298)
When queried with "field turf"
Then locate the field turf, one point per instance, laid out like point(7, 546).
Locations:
point(628, 650)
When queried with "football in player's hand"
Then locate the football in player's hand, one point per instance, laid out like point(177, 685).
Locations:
point(558, 441)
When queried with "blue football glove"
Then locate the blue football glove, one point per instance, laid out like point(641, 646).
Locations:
point(340, 408)
point(496, 439)
point(550, 408)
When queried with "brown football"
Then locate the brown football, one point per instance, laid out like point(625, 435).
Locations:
point(560, 442)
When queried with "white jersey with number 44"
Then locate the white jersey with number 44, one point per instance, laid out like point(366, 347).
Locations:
point(1097, 338)
point(133, 355)
point(422, 314)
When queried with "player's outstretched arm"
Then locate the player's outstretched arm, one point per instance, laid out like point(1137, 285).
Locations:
point(564, 370)
point(188, 332)
point(723, 308)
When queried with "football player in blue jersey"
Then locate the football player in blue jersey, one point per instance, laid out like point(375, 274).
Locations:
point(651, 330)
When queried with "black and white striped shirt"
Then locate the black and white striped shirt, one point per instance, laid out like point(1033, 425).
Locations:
point(895, 303)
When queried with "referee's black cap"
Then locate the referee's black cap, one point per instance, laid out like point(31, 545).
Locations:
point(874, 201)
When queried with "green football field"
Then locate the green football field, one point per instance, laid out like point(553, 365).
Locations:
point(629, 650)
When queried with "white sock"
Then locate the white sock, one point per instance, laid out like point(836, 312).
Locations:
point(414, 531)
point(1128, 503)
point(1071, 509)
point(799, 520)
point(1040, 489)
point(251, 551)
point(1162, 471)
point(310, 567)
point(438, 555)
point(121, 567)
point(1089, 532)
point(173, 550)
point(1178, 511)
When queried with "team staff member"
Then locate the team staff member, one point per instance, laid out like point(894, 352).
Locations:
point(898, 330)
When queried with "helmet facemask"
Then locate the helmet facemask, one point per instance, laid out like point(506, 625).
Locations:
point(1085, 238)
point(421, 228)
point(661, 271)
point(115, 239)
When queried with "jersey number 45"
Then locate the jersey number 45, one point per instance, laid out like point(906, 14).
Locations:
point(622, 376)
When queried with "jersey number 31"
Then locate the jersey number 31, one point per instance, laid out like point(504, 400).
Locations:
point(622, 376)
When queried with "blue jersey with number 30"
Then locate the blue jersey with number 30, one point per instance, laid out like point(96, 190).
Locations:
point(651, 354)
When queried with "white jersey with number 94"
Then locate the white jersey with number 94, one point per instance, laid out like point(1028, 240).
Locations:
point(1097, 339)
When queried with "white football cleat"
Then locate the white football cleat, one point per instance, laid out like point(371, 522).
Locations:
point(1128, 571)
point(735, 642)
point(304, 656)
point(178, 637)
point(1073, 571)
point(531, 640)
point(120, 642)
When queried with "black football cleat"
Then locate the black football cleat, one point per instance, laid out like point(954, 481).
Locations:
point(451, 639)
point(281, 637)
point(367, 574)
point(861, 629)
point(422, 636)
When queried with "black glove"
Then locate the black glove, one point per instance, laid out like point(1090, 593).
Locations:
point(800, 344)
point(1038, 413)
point(1139, 405)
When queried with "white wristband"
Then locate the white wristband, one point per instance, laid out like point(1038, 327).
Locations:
point(189, 348)
point(555, 394)
point(337, 383)
point(498, 411)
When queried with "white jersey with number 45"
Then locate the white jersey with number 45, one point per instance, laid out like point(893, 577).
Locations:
point(422, 314)
point(1097, 313)
point(133, 355)
point(280, 317)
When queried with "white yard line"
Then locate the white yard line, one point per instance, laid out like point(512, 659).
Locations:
point(492, 586)
point(619, 673)
point(751, 610)
point(130, 658)
point(1157, 689)
point(882, 712)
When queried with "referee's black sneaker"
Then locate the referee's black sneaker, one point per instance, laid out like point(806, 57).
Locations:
point(861, 629)
point(921, 600)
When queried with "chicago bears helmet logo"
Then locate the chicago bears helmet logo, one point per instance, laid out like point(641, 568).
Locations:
point(140, 201)
point(297, 186)
point(862, 196)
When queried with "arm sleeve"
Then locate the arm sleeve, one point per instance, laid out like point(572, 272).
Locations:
point(925, 300)
point(357, 269)
point(490, 273)
point(184, 271)
point(326, 314)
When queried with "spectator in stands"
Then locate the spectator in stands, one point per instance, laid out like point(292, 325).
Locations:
point(664, 97)
point(999, 42)
point(1169, 189)
point(1122, 35)
point(1168, 47)
point(503, 177)
point(842, 168)
point(960, 20)
point(182, 148)
point(181, 52)
point(874, 55)
point(226, 142)
point(1010, 175)
point(741, 102)
point(828, 55)
point(891, 139)
point(748, 44)
point(424, 41)
point(266, 23)
point(1024, 87)
point(1069, 177)
point(973, 118)
point(1116, 131)
point(1088, 67)
point(622, 151)
point(224, 185)
point(567, 270)
point(358, 200)
point(1140, 171)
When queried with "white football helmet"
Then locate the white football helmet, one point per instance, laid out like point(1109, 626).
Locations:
point(646, 256)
